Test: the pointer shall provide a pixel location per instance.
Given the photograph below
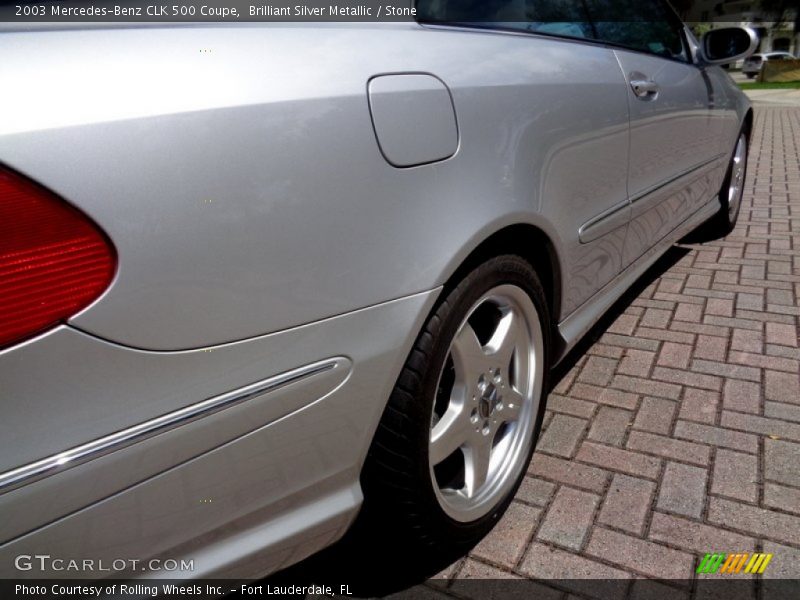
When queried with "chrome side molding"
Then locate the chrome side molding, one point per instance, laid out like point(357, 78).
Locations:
point(89, 451)
point(606, 222)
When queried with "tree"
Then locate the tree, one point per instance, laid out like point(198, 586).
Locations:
point(780, 10)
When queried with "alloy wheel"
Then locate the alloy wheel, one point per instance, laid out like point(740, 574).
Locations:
point(486, 404)
point(736, 186)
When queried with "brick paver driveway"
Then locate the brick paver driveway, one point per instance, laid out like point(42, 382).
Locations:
point(677, 430)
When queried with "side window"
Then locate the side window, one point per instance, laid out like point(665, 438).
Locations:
point(646, 25)
point(554, 17)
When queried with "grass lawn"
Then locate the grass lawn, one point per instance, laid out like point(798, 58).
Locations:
point(789, 85)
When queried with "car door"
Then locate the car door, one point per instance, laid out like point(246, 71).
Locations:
point(673, 125)
point(548, 101)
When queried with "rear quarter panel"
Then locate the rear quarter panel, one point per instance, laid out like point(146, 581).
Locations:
point(237, 171)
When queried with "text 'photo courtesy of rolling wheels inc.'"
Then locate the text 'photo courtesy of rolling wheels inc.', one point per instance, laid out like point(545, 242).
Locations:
point(408, 299)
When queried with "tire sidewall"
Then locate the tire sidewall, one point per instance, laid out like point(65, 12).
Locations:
point(730, 220)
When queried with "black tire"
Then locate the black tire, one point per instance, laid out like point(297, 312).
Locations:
point(724, 221)
point(400, 501)
point(751, 75)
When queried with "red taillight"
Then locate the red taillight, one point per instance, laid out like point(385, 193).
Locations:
point(53, 259)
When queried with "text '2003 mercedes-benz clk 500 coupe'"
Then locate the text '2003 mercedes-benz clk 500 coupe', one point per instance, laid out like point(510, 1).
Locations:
point(319, 273)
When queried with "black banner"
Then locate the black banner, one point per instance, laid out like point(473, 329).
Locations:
point(721, 588)
point(243, 11)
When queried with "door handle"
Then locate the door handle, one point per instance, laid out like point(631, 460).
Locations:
point(644, 88)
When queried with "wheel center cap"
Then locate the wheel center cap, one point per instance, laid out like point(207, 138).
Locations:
point(490, 398)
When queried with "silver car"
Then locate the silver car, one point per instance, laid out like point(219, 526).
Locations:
point(255, 277)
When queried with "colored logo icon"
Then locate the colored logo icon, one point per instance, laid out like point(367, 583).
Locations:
point(744, 562)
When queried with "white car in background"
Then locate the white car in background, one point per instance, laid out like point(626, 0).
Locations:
point(753, 65)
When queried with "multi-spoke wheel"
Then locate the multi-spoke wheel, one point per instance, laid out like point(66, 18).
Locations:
point(730, 196)
point(459, 429)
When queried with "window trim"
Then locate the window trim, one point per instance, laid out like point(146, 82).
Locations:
point(682, 29)
point(471, 27)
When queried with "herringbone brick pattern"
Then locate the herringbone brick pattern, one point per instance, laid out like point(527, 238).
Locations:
point(677, 432)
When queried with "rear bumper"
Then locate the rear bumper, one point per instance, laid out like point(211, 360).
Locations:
point(239, 492)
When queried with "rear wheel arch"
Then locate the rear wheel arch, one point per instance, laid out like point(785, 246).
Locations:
point(528, 242)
